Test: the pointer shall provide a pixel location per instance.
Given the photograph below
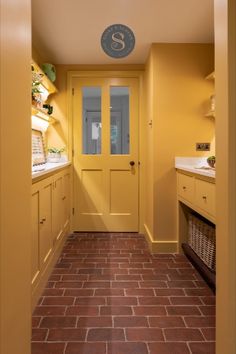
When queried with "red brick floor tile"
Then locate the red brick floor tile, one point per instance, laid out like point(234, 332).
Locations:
point(49, 310)
point(130, 321)
point(39, 334)
point(66, 335)
point(181, 284)
point(166, 322)
point(202, 348)
point(58, 322)
point(105, 335)
point(207, 310)
point(85, 348)
point(208, 300)
point(122, 301)
point(144, 334)
point(139, 292)
point(200, 321)
point(53, 292)
point(169, 292)
point(35, 321)
point(47, 348)
point(75, 277)
point(124, 284)
point(116, 310)
point(68, 284)
point(90, 301)
point(96, 284)
point(109, 292)
point(129, 277)
point(185, 300)
point(168, 348)
point(154, 300)
point(90, 322)
point(154, 277)
point(183, 334)
point(127, 348)
point(101, 277)
point(153, 284)
point(149, 310)
point(183, 310)
point(209, 333)
point(79, 292)
point(198, 292)
point(82, 310)
point(58, 300)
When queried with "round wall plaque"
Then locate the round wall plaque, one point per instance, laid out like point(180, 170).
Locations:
point(118, 41)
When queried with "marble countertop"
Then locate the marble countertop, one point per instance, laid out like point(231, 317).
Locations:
point(50, 167)
point(197, 165)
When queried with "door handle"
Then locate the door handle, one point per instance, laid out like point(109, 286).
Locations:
point(132, 163)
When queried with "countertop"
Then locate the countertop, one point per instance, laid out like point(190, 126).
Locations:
point(197, 165)
point(50, 167)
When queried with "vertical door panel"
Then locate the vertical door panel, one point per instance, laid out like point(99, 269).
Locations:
point(35, 261)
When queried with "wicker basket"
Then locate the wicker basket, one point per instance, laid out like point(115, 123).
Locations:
point(202, 240)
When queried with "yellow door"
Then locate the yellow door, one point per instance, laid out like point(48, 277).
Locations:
point(105, 145)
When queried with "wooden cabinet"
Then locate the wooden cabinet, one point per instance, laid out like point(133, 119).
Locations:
point(205, 196)
point(186, 187)
point(198, 193)
point(50, 223)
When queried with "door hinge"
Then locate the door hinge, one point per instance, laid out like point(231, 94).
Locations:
point(73, 211)
point(73, 91)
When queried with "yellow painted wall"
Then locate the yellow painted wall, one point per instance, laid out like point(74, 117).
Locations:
point(15, 177)
point(175, 73)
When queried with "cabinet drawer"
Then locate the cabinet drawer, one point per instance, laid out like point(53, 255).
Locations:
point(186, 187)
point(205, 196)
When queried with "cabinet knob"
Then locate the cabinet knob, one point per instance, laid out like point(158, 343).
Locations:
point(204, 197)
point(184, 188)
point(132, 163)
point(42, 220)
point(63, 198)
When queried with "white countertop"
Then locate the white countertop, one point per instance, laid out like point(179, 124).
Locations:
point(197, 165)
point(50, 167)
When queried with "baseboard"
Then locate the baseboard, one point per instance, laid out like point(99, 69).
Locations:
point(43, 277)
point(159, 246)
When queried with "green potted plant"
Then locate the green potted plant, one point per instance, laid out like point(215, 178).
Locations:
point(36, 93)
point(54, 154)
point(211, 160)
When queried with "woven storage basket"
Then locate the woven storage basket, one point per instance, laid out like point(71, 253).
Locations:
point(202, 240)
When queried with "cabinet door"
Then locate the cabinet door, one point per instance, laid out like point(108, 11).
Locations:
point(57, 208)
point(205, 196)
point(66, 198)
point(35, 257)
point(45, 221)
point(186, 187)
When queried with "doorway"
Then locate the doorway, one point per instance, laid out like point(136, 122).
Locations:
point(105, 154)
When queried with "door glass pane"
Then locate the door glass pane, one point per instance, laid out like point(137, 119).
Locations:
point(119, 120)
point(92, 124)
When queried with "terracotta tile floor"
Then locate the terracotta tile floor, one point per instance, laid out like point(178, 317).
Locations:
point(108, 295)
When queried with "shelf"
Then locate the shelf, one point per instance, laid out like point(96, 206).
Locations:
point(40, 113)
point(211, 76)
point(46, 83)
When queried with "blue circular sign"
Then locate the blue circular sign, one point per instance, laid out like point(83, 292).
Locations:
point(118, 41)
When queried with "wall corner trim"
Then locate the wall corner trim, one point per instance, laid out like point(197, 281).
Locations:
point(159, 246)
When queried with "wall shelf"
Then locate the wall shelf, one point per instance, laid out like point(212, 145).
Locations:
point(48, 85)
point(40, 113)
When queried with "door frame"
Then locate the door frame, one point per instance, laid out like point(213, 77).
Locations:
point(141, 123)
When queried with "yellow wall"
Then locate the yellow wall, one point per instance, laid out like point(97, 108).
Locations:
point(15, 177)
point(175, 74)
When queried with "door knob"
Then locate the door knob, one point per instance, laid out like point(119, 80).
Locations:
point(132, 163)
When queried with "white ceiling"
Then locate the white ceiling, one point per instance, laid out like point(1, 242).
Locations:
point(69, 31)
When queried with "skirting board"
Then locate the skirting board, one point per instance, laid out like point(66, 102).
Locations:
point(47, 271)
point(159, 246)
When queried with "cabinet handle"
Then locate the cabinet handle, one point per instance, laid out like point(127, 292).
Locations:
point(63, 198)
point(204, 197)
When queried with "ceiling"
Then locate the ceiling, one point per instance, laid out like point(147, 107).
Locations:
point(69, 31)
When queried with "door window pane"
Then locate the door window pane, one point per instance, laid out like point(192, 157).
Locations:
point(119, 120)
point(92, 123)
